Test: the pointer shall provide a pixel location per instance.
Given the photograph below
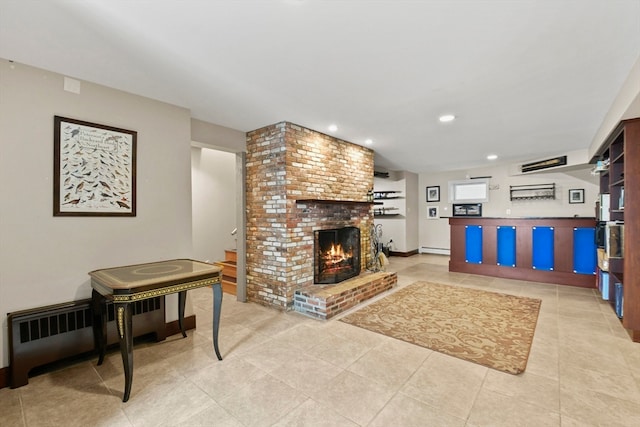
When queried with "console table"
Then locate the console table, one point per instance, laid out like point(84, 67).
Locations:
point(128, 284)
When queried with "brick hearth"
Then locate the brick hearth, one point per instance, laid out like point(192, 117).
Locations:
point(299, 181)
point(325, 301)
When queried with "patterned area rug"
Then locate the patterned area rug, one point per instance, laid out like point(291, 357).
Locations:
point(487, 328)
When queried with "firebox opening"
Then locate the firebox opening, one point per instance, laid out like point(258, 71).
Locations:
point(336, 254)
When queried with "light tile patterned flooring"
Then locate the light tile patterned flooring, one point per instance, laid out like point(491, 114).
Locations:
point(283, 369)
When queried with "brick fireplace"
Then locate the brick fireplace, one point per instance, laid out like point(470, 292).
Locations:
point(300, 181)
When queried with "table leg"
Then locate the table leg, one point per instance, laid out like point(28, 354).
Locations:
point(125, 332)
point(99, 324)
point(217, 306)
point(182, 300)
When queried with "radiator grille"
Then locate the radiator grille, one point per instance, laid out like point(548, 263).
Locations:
point(47, 334)
point(53, 325)
point(139, 307)
point(31, 330)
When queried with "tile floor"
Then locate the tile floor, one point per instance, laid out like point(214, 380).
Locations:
point(283, 369)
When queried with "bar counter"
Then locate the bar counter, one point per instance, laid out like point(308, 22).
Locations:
point(550, 250)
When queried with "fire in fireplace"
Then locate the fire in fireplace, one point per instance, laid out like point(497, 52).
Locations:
point(337, 254)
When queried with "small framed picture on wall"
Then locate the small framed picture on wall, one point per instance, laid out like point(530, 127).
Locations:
point(432, 212)
point(467, 209)
point(433, 194)
point(576, 195)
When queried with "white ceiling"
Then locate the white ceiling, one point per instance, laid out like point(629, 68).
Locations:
point(525, 78)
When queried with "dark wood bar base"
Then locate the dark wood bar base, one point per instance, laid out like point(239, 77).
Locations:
point(563, 271)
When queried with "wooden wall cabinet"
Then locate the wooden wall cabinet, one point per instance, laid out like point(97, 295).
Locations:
point(622, 182)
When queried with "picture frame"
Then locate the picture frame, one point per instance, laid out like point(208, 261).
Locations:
point(433, 193)
point(433, 212)
point(94, 169)
point(576, 195)
point(467, 209)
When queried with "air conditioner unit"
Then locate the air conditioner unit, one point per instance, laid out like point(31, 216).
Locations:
point(544, 164)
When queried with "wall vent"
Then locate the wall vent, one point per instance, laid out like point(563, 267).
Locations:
point(544, 164)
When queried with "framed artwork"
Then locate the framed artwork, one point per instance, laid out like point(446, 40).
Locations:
point(94, 169)
point(433, 212)
point(576, 195)
point(433, 194)
point(467, 209)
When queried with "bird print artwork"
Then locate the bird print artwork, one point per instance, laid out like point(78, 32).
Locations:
point(96, 165)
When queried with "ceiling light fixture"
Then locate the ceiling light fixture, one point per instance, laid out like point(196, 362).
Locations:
point(333, 128)
point(445, 118)
point(492, 156)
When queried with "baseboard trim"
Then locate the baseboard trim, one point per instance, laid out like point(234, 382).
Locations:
point(437, 251)
point(404, 254)
point(174, 327)
point(4, 377)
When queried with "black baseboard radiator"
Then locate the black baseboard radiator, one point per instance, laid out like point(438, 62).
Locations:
point(44, 335)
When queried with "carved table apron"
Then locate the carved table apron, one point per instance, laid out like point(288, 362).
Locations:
point(128, 284)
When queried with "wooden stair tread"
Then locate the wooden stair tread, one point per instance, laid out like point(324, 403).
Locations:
point(229, 263)
point(229, 288)
point(230, 255)
point(229, 271)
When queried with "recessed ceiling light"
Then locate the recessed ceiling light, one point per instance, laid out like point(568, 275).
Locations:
point(368, 141)
point(446, 118)
point(492, 157)
point(333, 128)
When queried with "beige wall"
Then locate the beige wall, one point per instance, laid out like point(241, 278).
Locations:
point(435, 233)
point(401, 229)
point(45, 259)
point(213, 182)
point(212, 202)
point(210, 135)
